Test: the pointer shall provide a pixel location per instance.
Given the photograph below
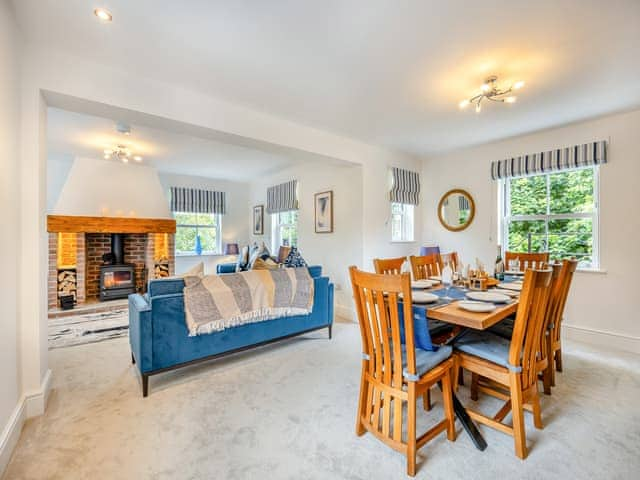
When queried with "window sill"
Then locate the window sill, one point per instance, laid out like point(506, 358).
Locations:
point(402, 241)
point(598, 271)
point(188, 255)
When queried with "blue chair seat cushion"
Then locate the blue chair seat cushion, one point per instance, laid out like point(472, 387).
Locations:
point(487, 346)
point(426, 360)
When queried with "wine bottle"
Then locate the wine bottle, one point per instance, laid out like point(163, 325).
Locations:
point(499, 267)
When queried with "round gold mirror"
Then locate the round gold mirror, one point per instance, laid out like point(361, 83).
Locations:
point(456, 210)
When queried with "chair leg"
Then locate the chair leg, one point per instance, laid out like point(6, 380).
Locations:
point(426, 400)
point(362, 401)
point(460, 376)
point(517, 412)
point(448, 406)
point(411, 430)
point(546, 378)
point(474, 386)
point(559, 360)
point(537, 417)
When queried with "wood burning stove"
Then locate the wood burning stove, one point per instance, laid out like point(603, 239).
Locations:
point(117, 279)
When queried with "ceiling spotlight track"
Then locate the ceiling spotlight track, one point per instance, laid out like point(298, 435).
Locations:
point(489, 90)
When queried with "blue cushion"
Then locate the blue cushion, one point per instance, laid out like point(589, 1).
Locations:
point(486, 345)
point(425, 361)
point(421, 333)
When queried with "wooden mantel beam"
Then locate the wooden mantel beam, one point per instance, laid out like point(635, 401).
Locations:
point(72, 223)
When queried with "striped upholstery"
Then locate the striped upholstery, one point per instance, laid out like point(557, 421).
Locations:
point(283, 197)
point(191, 200)
point(578, 156)
point(406, 186)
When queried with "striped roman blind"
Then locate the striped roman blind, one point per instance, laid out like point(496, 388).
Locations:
point(577, 156)
point(283, 197)
point(406, 186)
point(191, 200)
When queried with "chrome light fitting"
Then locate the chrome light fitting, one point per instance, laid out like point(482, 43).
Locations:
point(490, 91)
point(122, 153)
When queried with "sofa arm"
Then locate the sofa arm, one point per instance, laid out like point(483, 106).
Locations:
point(140, 332)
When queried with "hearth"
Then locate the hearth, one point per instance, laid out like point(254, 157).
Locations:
point(117, 279)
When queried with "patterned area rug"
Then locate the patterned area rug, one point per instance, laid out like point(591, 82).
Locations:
point(88, 328)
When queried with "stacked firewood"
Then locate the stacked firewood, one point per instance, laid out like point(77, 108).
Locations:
point(67, 283)
point(161, 270)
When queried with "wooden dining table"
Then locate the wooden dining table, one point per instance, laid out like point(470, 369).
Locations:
point(462, 320)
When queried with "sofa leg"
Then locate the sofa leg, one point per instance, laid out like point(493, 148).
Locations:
point(133, 359)
point(145, 385)
point(330, 327)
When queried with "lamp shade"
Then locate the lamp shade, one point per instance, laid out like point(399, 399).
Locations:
point(231, 249)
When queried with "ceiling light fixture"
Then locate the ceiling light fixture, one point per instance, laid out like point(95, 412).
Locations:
point(122, 153)
point(490, 91)
point(103, 14)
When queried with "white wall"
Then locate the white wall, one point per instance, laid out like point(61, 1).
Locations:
point(600, 307)
point(334, 251)
point(235, 223)
point(10, 388)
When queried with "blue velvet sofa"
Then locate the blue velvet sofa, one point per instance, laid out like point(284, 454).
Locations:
point(160, 340)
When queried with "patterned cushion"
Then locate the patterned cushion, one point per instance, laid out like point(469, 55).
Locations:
point(486, 345)
point(267, 264)
point(294, 259)
point(243, 259)
point(257, 251)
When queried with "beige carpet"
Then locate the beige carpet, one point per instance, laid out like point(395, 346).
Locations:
point(287, 412)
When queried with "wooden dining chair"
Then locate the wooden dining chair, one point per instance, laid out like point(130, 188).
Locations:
point(526, 257)
point(389, 265)
point(511, 366)
point(554, 339)
point(424, 266)
point(451, 258)
point(394, 374)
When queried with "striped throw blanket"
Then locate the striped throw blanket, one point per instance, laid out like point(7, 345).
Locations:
point(215, 302)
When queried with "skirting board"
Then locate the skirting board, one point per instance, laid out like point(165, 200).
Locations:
point(30, 405)
point(600, 337)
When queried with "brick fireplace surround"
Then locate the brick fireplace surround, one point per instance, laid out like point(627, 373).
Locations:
point(75, 258)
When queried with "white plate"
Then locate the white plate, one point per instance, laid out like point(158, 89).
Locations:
point(423, 284)
point(513, 272)
point(423, 297)
point(511, 293)
point(489, 297)
point(511, 286)
point(476, 306)
point(435, 277)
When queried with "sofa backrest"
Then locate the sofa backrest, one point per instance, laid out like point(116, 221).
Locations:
point(171, 285)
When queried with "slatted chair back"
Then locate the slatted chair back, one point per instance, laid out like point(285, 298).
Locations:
point(388, 266)
point(562, 292)
point(450, 258)
point(529, 258)
point(529, 326)
point(424, 266)
point(556, 268)
point(376, 297)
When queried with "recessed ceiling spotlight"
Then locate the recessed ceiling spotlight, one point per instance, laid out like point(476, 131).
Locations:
point(103, 14)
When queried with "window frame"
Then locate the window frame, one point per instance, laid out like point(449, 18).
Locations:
point(217, 227)
point(506, 218)
point(276, 228)
point(404, 225)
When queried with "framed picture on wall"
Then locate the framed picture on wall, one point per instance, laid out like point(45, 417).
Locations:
point(258, 220)
point(324, 212)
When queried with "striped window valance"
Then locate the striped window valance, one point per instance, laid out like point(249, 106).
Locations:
point(283, 197)
point(577, 156)
point(405, 187)
point(191, 200)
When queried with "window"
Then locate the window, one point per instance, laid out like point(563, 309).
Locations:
point(285, 229)
point(190, 226)
point(556, 212)
point(401, 222)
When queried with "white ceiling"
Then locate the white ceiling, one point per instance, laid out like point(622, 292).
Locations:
point(71, 134)
point(386, 71)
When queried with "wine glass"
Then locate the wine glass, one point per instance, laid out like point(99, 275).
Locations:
point(447, 278)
